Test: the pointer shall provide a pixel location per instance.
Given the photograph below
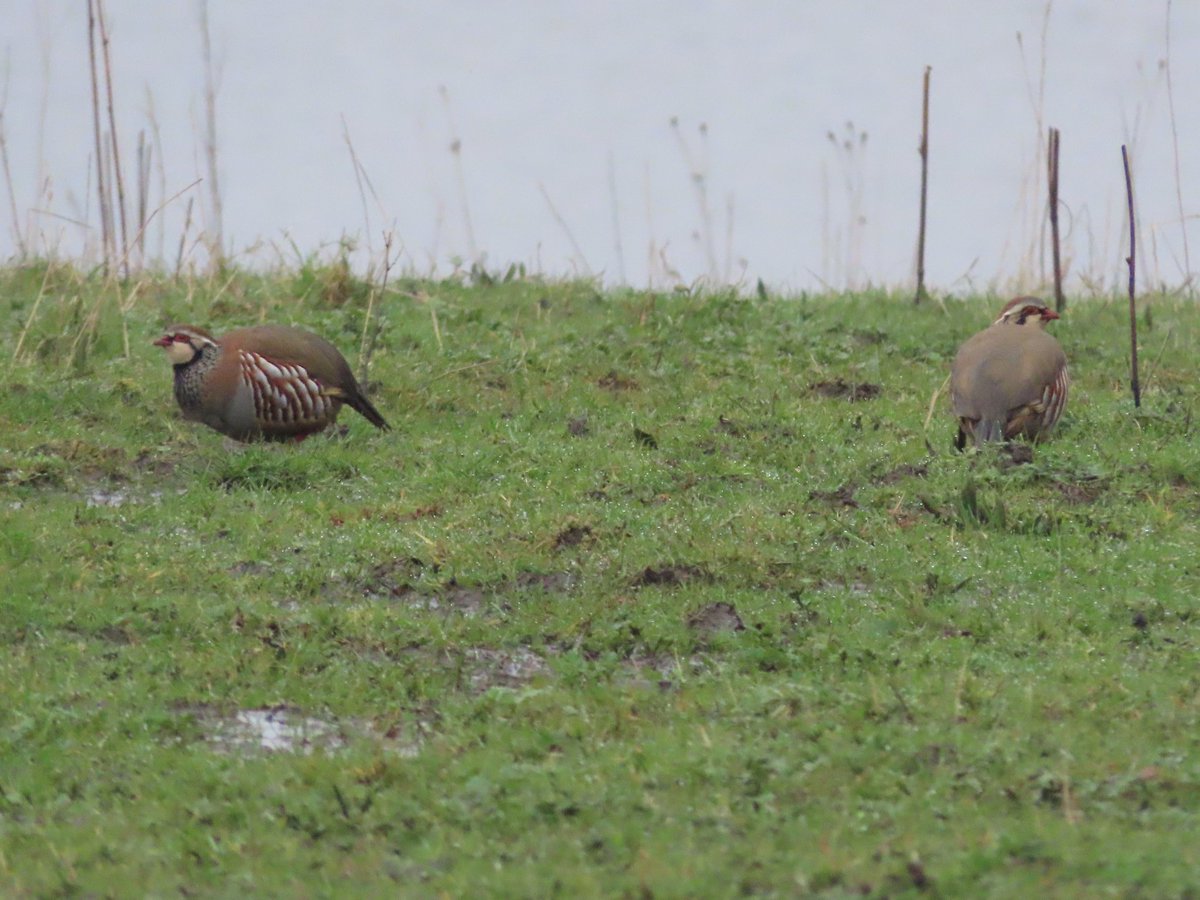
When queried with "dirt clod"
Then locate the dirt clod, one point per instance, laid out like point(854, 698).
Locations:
point(572, 536)
point(670, 575)
point(614, 381)
point(843, 496)
point(715, 619)
point(846, 390)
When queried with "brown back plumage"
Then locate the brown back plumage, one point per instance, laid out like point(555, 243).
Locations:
point(266, 381)
point(1011, 378)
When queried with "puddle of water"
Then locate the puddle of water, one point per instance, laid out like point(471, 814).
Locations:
point(273, 731)
point(284, 730)
point(101, 497)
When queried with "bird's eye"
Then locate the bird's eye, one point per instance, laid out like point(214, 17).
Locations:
point(180, 338)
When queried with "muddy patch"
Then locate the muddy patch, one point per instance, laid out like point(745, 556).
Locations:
point(572, 536)
point(659, 670)
point(714, 619)
point(614, 381)
point(843, 496)
point(578, 426)
point(670, 575)
point(901, 472)
point(100, 497)
point(479, 669)
point(488, 667)
point(1015, 454)
point(846, 390)
point(394, 580)
point(1080, 493)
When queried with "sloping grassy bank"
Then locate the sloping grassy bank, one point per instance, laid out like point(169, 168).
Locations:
point(643, 595)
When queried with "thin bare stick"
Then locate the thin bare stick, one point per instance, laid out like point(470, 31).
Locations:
point(112, 126)
point(1187, 259)
point(105, 215)
point(216, 242)
point(1060, 301)
point(924, 151)
point(1131, 260)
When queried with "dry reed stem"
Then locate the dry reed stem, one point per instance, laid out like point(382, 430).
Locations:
point(581, 260)
point(933, 401)
point(106, 238)
point(143, 184)
point(216, 241)
point(698, 175)
point(187, 224)
point(616, 216)
point(1187, 257)
point(362, 178)
point(150, 218)
point(22, 249)
point(366, 347)
point(112, 125)
point(456, 153)
point(1131, 260)
point(160, 159)
point(37, 301)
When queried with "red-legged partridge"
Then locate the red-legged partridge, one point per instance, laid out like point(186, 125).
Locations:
point(1011, 378)
point(269, 382)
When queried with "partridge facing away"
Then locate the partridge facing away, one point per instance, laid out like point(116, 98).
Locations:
point(1011, 378)
point(267, 382)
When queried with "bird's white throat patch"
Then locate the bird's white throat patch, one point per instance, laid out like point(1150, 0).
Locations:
point(180, 352)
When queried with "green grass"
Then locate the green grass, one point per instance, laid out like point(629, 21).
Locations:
point(955, 674)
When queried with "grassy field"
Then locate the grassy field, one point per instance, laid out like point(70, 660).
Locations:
point(644, 595)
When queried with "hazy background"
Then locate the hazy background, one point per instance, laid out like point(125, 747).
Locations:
point(569, 161)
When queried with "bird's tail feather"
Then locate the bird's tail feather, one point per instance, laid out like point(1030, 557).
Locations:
point(360, 403)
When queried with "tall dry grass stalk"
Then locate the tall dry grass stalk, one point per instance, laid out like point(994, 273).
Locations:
point(370, 333)
point(363, 180)
point(616, 217)
point(118, 178)
point(18, 232)
point(847, 246)
point(1028, 214)
point(460, 177)
point(108, 250)
point(698, 175)
point(143, 195)
point(577, 251)
point(215, 231)
point(1187, 257)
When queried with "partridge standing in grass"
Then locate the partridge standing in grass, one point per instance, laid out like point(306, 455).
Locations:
point(269, 382)
point(1011, 378)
